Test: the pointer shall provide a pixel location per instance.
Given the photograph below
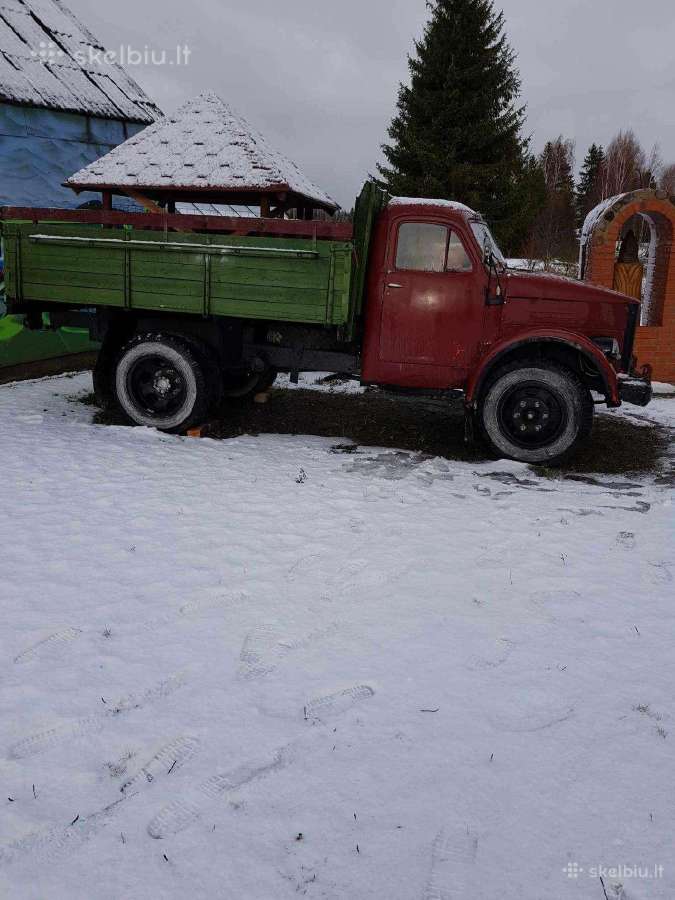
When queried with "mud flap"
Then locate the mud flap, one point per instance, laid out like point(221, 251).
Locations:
point(469, 426)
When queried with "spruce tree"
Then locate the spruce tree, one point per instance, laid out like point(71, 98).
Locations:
point(589, 189)
point(457, 132)
point(556, 224)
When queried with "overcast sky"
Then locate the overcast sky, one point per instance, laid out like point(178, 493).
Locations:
point(319, 79)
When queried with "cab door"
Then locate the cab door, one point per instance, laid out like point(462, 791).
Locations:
point(432, 305)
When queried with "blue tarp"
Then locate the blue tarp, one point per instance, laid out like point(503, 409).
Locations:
point(39, 149)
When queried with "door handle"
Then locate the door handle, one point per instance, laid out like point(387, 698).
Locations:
point(395, 286)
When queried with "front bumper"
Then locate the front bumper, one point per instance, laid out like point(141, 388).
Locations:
point(637, 388)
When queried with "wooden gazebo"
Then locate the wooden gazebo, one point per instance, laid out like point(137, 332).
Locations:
point(205, 153)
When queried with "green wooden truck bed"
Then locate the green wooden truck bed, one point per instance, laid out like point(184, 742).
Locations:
point(282, 277)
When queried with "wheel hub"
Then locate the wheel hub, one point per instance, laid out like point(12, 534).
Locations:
point(162, 385)
point(532, 415)
point(157, 386)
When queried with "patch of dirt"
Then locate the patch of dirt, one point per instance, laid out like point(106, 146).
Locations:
point(376, 419)
point(433, 427)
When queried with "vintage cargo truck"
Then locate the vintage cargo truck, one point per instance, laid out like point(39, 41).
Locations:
point(415, 297)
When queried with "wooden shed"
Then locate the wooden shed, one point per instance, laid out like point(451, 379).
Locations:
point(205, 153)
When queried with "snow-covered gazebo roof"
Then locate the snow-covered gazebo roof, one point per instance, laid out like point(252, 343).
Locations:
point(206, 152)
point(49, 59)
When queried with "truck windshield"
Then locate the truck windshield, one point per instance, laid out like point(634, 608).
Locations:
point(485, 239)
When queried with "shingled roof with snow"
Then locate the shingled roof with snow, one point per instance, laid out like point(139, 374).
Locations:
point(205, 146)
point(49, 59)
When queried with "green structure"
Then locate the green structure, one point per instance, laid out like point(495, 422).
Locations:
point(294, 280)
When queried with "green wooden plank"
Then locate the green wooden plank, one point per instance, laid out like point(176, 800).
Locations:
point(176, 266)
point(280, 295)
point(47, 258)
point(76, 279)
point(75, 295)
point(173, 303)
point(262, 310)
point(277, 263)
point(269, 277)
point(166, 286)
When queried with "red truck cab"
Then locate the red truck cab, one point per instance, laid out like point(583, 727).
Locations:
point(443, 311)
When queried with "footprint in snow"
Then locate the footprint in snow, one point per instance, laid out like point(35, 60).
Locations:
point(626, 539)
point(531, 720)
point(70, 732)
point(335, 704)
point(660, 573)
point(219, 602)
point(495, 654)
point(56, 641)
point(51, 844)
point(265, 647)
point(39, 743)
point(188, 808)
point(167, 760)
point(453, 865)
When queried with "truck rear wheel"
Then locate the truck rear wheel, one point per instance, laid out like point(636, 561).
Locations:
point(536, 412)
point(162, 381)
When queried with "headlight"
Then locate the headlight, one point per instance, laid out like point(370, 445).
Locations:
point(609, 346)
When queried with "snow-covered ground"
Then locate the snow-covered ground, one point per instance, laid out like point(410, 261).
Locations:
point(259, 669)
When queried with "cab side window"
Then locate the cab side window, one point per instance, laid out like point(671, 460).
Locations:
point(421, 247)
point(425, 247)
point(458, 258)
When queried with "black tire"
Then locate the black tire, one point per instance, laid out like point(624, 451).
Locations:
point(162, 381)
point(536, 412)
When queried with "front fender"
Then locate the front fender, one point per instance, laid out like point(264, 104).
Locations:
point(578, 342)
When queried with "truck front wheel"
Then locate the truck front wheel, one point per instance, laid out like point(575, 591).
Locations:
point(161, 381)
point(536, 412)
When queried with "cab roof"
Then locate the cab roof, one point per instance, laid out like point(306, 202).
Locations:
point(453, 205)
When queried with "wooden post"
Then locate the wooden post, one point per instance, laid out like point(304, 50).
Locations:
point(107, 201)
point(264, 206)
